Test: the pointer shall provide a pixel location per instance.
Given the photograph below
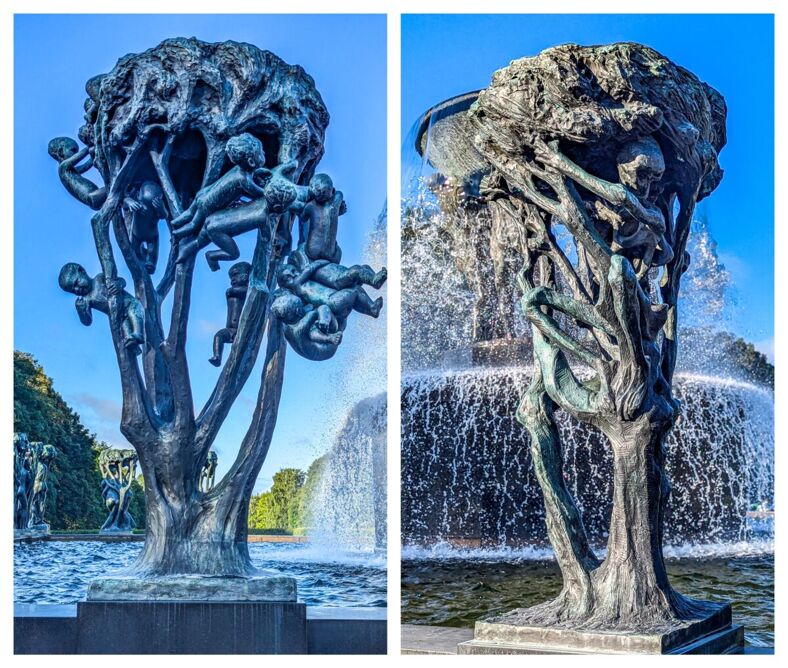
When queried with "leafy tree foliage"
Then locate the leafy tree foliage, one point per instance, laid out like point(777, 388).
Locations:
point(286, 506)
point(74, 501)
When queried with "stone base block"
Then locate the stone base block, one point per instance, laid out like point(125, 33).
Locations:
point(190, 627)
point(436, 640)
point(263, 587)
point(713, 634)
point(33, 533)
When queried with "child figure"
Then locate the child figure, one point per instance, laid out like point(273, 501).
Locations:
point(93, 293)
point(301, 327)
point(208, 472)
point(145, 211)
point(236, 296)
point(340, 302)
point(222, 226)
point(68, 155)
point(246, 153)
point(320, 219)
point(318, 239)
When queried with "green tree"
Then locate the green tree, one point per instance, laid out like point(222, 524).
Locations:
point(280, 507)
point(74, 500)
point(285, 492)
point(137, 505)
point(263, 514)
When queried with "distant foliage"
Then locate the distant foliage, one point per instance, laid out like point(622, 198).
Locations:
point(752, 362)
point(285, 507)
point(713, 352)
point(74, 501)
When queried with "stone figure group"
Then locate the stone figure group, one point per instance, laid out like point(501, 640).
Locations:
point(31, 472)
point(316, 293)
point(208, 472)
point(118, 471)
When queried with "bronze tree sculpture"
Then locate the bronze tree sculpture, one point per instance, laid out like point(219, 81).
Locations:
point(215, 140)
point(613, 145)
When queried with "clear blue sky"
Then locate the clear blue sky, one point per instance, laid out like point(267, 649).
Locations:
point(445, 55)
point(54, 57)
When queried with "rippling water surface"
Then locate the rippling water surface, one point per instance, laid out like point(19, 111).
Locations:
point(459, 587)
point(59, 572)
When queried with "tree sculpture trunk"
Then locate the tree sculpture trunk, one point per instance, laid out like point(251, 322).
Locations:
point(606, 143)
point(216, 140)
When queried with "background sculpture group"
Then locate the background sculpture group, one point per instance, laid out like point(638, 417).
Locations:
point(31, 470)
point(215, 140)
point(118, 470)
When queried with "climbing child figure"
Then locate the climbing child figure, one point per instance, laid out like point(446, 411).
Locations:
point(94, 293)
point(236, 296)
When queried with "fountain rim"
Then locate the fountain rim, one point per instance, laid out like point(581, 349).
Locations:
point(448, 107)
point(422, 375)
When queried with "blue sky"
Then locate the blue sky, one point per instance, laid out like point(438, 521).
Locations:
point(54, 57)
point(445, 55)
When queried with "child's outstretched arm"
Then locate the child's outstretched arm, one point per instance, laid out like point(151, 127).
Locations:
point(84, 311)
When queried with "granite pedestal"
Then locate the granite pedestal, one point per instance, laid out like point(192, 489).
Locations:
point(190, 627)
point(186, 614)
point(714, 634)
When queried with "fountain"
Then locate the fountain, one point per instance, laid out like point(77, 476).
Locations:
point(349, 507)
point(468, 476)
point(348, 510)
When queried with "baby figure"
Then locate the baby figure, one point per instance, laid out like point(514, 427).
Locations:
point(320, 219)
point(71, 168)
point(340, 302)
point(246, 153)
point(222, 226)
point(145, 210)
point(94, 293)
point(318, 231)
point(303, 332)
point(236, 296)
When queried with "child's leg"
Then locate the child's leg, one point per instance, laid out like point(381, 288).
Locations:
point(189, 249)
point(135, 320)
point(362, 274)
point(316, 335)
point(342, 302)
point(151, 255)
point(219, 226)
point(365, 305)
point(221, 337)
point(229, 251)
point(324, 317)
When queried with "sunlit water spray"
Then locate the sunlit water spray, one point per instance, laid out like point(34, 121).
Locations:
point(348, 510)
